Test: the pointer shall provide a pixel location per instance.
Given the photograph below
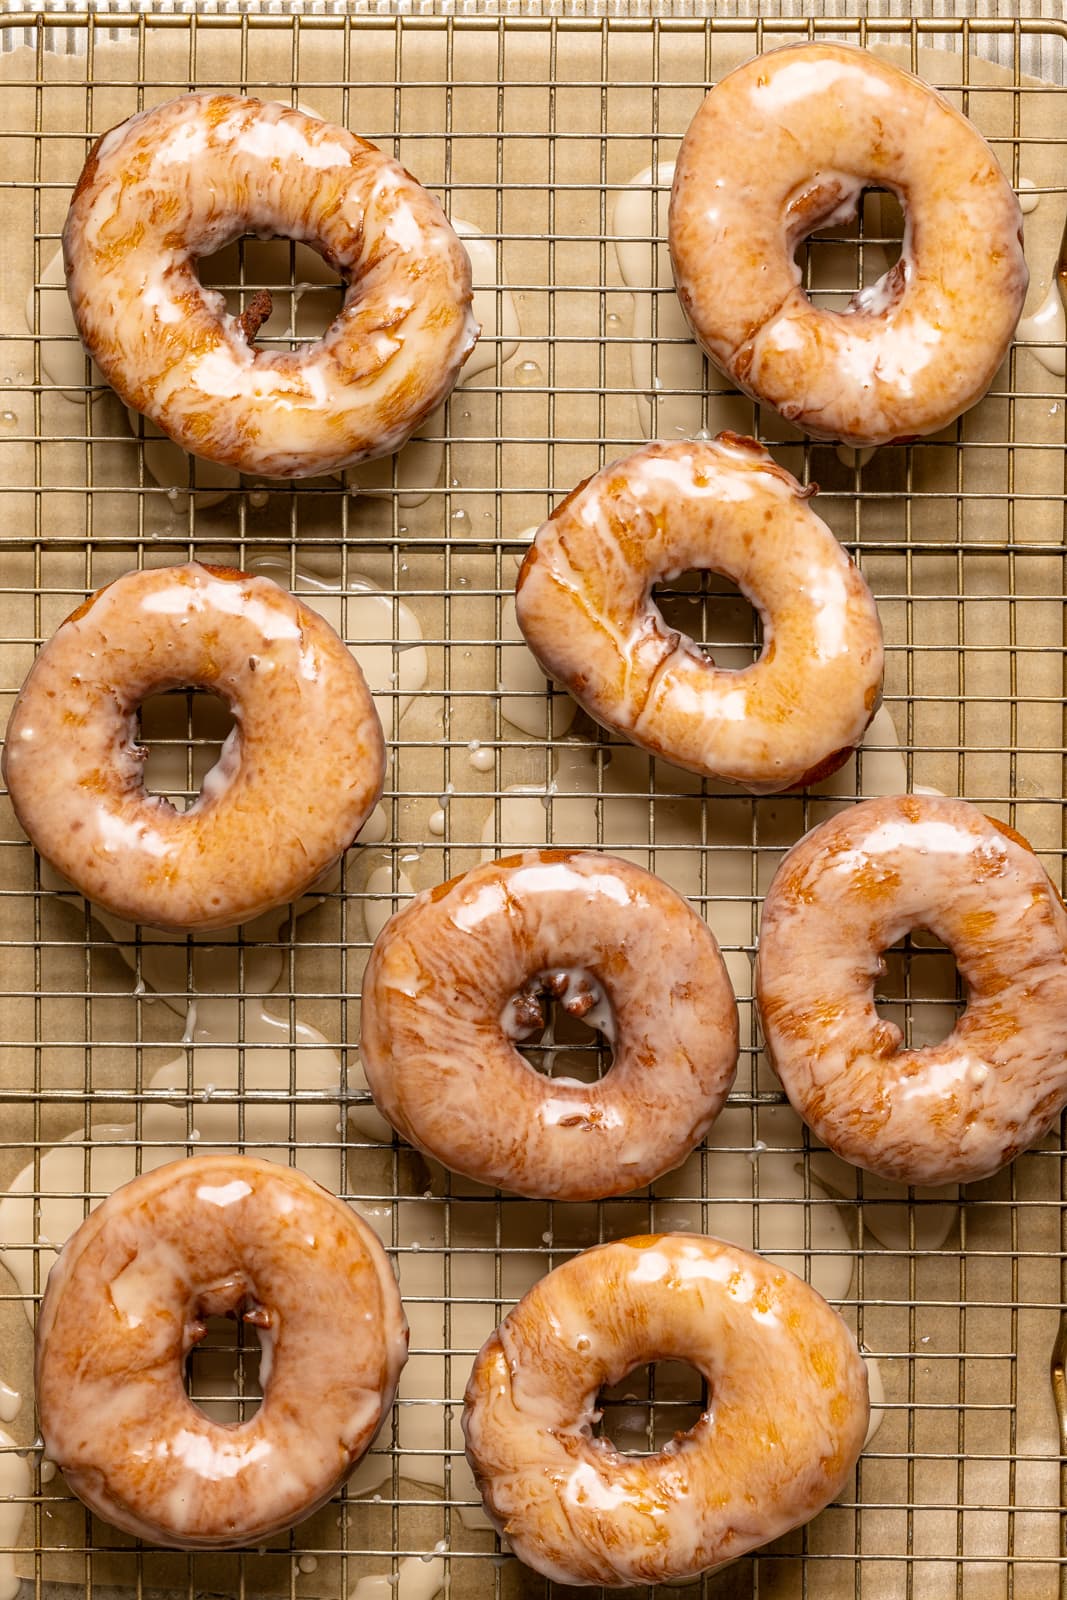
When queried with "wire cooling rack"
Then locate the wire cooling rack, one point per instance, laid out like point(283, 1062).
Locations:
point(528, 127)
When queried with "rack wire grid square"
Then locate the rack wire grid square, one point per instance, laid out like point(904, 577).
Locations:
point(124, 1049)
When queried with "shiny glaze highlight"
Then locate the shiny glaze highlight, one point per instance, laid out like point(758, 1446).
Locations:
point(785, 1422)
point(182, 180)
point(785, 145)
point(584, 603)
point(953, 1112)
point(125, 1303)
point(298, 776)
point(447, 993)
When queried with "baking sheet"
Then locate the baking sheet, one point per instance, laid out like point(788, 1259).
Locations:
point(529, 129)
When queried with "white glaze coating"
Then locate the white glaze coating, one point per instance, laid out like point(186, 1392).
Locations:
point(438, 1024)
point(181, 180)
point(953, 1112)
point(584, 603)
point(785, 1423)
point(221, 1235)
point(785, 144)
point(296, 781)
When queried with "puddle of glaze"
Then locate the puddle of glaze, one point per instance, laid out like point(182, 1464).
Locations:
point(376, 913)
point(15, 1485)
point(227, 961)
point(667, 367)
point(524, 701)
point(758, 1204)
point(416, 1578)
point(62, 352)
point(1028, 200)
point(10, 1402)
point(1045, 331)
point(876, 1390)
point(886, 1212)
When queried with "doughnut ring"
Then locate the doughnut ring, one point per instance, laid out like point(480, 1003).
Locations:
point(298, 775)
point(584, 603)
point(785, 1424)
point(948, 1113)
point(786, 144)
point(458, 976)
point(182, 180)
point(127, 1300)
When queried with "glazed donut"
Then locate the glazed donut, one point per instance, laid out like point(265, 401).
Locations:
point(786, 144)
point(786, 1422)
point(948, 1113)
point(458, 976)
point(126, 1301)
point(584, 603)
point(299, 774)
point(182, 180)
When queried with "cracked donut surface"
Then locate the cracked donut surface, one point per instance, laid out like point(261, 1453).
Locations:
point(296, 779)
point(952, 1112)
point(127, 1300)
point(460, 976)
point(181, 180)
point(786, 1417)
point(786, 144)
point(585, 606)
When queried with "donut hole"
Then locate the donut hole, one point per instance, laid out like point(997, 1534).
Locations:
point(222, 1371)
point(710, 610)
point(837, 261)
point(544, 1023)
point(183, 732)
point(306, 295)
point(920, 990)
point(650, 1406)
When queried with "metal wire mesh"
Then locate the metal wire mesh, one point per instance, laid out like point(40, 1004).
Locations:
point(528, 127)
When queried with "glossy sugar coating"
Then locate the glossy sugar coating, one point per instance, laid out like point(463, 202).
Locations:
point(445, 997)
point(183, 179)
point(785, 145)
point(584, 603)
point(127, 1300)
point(786, 1418)
point(298, 776)
point(953, 1112)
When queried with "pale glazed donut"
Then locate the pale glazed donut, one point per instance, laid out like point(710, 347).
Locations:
point(298, 776)
point(947, 1113)
point(456, 978)
point(584, 603)
point(786, 1422)
point(786, 144)
point(182, 180)
point(127, 1300)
